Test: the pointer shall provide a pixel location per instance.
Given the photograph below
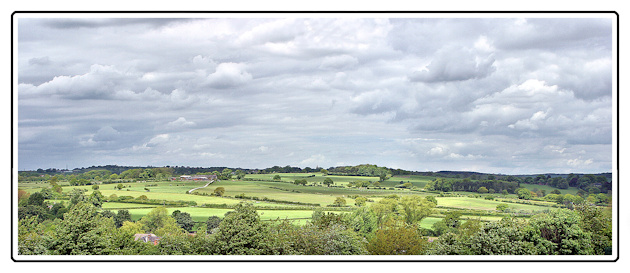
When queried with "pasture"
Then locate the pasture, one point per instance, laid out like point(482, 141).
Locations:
point(285, 200)
point(487, 205)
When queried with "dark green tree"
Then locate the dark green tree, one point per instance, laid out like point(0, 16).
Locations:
point(559, 232)
point(328, 181)
point(242, 233)
point(82, 232)
point(212, 223)
point(36, 199)
point(184, 220)
point(122, 216)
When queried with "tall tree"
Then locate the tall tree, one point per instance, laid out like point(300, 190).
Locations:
point(82, 232)
point(184, 220)
point(415, 208)
point(242, 233)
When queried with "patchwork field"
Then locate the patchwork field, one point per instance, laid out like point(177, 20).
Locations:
point(285, 200)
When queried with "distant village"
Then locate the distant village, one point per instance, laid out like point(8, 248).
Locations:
point(195, 177)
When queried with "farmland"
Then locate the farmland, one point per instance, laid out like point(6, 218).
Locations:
point(281, 198)
point(424, 204)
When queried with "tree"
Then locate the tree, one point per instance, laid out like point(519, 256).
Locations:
point(155, 219)
point(289, 239)
point(169, 227)
point(559, 232)
point(121, 217)
point(77, 195)
point(32, 238)
point(300, 182)
point(132, 227)
point(328, 181)
point(242, 233)
point(240, 174)
point(415, 208)
point(82, 232)
point(226, 174)
point(96, 198)
point(362, 220)
point(323, 219)
point(36, 199)
point(23, 195)
point(219, 191)
point(339, 202)
point(524, 193)
point(482, 190)
point(384, 210)
point(397, 239)
point(58, 189)
point(184, 220)
point(58, 210)
point(277, 177)
point(360, 201)
point(407, 185)
point(120, 186)
point(450, 223)
point(212, 223)
point(599, 224)
point(39, 213)
point(502, 207)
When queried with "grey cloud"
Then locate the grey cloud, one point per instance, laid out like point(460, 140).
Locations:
point(338, 62)
point(556, 34)
point(258, 93)
point(73, 23)
point(106, 133)
point(39, 61)
point(455, 64)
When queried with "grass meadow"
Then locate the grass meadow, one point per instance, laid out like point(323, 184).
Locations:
point(289, 195)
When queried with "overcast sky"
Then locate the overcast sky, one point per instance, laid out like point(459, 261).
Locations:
point(506, 95)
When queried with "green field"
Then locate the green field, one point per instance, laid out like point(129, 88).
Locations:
point(202, 214)
point(487, 205)
point(549, 189)
point(285, 200)
point(416, 180)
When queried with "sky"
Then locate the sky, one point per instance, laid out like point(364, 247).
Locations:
point(497, 95)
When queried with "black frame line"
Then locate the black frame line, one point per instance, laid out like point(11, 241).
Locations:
point(139, 260)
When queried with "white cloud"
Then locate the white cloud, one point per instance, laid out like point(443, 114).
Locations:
point(579, 162)
point(180, 123)
point(455, 64)
point(228, 75)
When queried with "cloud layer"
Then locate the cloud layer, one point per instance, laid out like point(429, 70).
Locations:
point(507, 95)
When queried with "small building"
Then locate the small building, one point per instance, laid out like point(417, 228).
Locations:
point(147, 238)
point(198, 177)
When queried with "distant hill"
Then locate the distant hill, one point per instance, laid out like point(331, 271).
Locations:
point(182, 170)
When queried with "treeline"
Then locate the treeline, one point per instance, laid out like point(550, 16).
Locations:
point(387, 227)
point(362, 170)
point(591, 183)
point(447, 185)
